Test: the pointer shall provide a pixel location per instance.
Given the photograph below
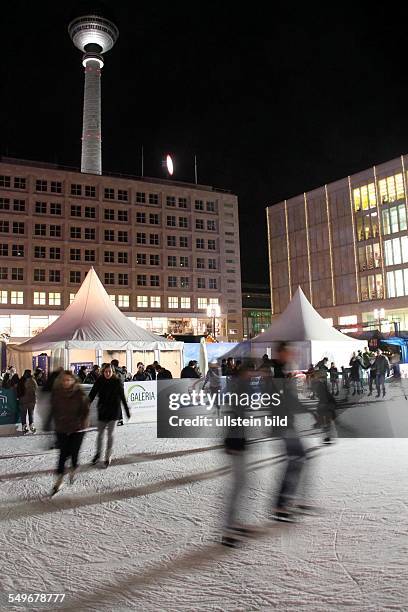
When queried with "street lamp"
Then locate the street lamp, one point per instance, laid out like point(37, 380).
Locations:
point(213, 312)
point(379, 314)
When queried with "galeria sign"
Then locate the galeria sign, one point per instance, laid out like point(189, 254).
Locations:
point(141, 394)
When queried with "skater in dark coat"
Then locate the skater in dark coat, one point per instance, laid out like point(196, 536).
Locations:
point(70, 413)
point(27, 398)
point(111, 396)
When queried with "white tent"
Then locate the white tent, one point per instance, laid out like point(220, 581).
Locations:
point(93, 321)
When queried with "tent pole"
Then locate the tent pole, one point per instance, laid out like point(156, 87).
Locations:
point(99, 357)
point(129, 364)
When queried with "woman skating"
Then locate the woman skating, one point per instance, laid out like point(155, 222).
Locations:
point(70, 412)
point(27, 397)
point(109, 390)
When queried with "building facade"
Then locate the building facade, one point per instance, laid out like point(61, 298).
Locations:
point(164, 250)
point(346, 245)
point(256, 309)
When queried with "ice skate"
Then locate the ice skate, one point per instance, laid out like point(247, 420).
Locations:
point(120, 422)
point(95, 459)
point(108, 461)
point(72, 475)
point(25, 430)
point(57, 485)
point(32, 429)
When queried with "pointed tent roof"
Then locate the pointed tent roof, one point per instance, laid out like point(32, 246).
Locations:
point(93, 321)
point(300, 321)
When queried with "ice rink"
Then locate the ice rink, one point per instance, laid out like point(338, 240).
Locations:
point(143, 534)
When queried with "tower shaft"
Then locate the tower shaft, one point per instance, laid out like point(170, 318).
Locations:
point(91, 156)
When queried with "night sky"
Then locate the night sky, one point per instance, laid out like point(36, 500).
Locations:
point(272, 104)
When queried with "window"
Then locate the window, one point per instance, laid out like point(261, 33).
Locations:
point(141, 280)
point(3, 297)
point(183, 222)
point(123, 279)
point(17, 297)
point(76, 189)
point(71, 297)
point(183, 262)
point(18, 227)
point(40, 298)
point(55, 208)
point(75, 254)
point(172, 302)
point(154, 219)
point(200, 263)
point(55, 231)
point(54, 299)
point(211, 225)
point(122, 257)
point(123, 301)
point(40, 229)
point(155, 301)
point(153, 198)
point(109, 214)
point(210, 206)
point(123, 215)
point(212, 264)
point(184, 282)
point(183, 242)
point(19, 205)
point(171, 201)
point(171, 261)
point(109, 278)
point(171, 241)
point(17, 274)
point(182, 202)
point(39, 252)
point(212, 283)
point(200, 283)
point(140, 217)
point(140, 238)
point(171, 221)
point(364, 197)
point(109, 193)
point(154, 260)
point(55, 253)
point(41, 208)
point(394, 219)
point(54, 276)
point(371, 287)
point(4, 181)
point(4, 204)
point(90, 191)
point(90, 212)
point(75, 276)
point(172, 281)
point(3, 273)
point(140, 197)
point(202, 303)
point(109, 257)
point(141, 259)
point(90, 233)
point(123, 195)
point(122, 236)
point(142, 301)
point(185, 303)
point(75, 232)
point(89, 255)
point(199, 205)
point(56, 187)
point(19, 182)
point(39, 275)
point(17, 250)
point(4, 250)
point(109, 235)
point(199, 224)
point(41, 185)
point(154, 239)
point(391, 188)
point(211, 245)
point(199, 243)
point(154, 280)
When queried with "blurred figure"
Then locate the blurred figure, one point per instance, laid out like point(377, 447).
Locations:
point(27, 397)
point(213, 383)
point(326, 407)
point(382, 369)
point(309, 375)
point(82, 374)
point(151, 370)
point(70, 413)
point(223, 367)
point(141, 373)
point(111, 396)
point(356, 373)
point(334, 378)
point(230, 367)
point(163, 373)
point(322, 364)
point(93, 375)
point(395, 363)
point(5, 383)
point(190, 370)
point(39, 377)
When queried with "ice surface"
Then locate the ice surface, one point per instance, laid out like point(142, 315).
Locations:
point(143, 534)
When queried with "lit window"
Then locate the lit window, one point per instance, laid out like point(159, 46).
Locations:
point(17, 297)
point(202, 303)
point(155, 301)
point(40, 298)
point(213, 301)
point(142, 301)
point(54, 299)
point(3, 297)
point(112, 298)
point(123, 301)
point(185, 303)
point(71, 297)
point(172, 302)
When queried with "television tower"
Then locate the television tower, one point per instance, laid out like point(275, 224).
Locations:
point(93, 35)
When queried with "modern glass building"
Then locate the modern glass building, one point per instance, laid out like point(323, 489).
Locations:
point(346, 245)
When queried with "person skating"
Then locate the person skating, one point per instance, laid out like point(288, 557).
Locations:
point(27, 397)
point(356, 373)
point(69, 409)
point(111, 396)
point(382, 369)
point(334, 378)
point(190, 370)
point(141, 373)
point(82, 374)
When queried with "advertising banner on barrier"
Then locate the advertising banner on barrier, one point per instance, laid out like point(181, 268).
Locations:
point(9, 413)
point(141, 394)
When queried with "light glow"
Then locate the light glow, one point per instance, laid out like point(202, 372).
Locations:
point(169, 165)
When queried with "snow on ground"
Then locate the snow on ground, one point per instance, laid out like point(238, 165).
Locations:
point(143, 535)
